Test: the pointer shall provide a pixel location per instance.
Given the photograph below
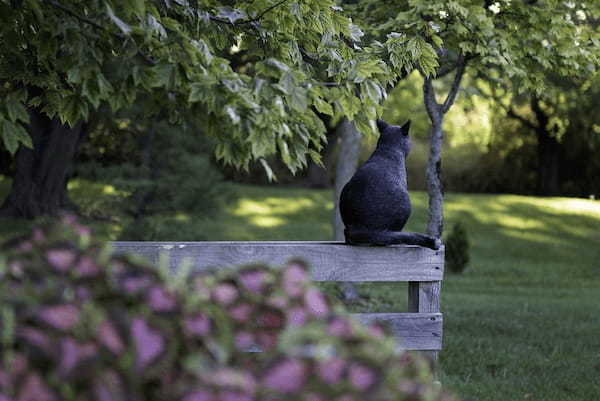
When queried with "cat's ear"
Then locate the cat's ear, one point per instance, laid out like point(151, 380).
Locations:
point(405, 127)
point(381, 125)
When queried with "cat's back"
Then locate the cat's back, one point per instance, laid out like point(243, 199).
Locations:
point(376, 196)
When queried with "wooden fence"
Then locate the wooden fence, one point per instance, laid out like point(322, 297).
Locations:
point(418, 329)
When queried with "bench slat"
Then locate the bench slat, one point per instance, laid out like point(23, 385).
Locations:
point(414, 331)
point(329, 261)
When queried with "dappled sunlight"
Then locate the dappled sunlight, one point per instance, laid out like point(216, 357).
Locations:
point(267, 221)
point(519, 222)
point(86, 187)
point(529, 236)
point(182, 217)
point(577, 206)
point(271, 205)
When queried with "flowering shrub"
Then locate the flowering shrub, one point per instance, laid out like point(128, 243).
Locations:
point(78, 323)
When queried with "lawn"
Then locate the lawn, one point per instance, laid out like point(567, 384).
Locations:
point(522, 323)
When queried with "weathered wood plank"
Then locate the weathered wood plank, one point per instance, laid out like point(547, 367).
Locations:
point(329, 261)
point(424, 297)
point(414, 331)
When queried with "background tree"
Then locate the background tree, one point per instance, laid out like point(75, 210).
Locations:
point(508, 36)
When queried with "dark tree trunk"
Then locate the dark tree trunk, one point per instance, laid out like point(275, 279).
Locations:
point(40, 183)
point(548, 153)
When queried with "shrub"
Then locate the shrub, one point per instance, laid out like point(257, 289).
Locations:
point(457, 249)
point(78, 323)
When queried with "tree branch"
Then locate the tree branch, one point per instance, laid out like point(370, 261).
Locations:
point(461, 63)
point(147, 59)
point(250, 20)
point(513, 114)
point(431, 105)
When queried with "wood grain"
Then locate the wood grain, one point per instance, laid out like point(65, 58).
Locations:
point(413, 331)
point(329, 261)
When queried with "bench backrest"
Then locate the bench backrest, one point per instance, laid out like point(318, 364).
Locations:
point(419, 329)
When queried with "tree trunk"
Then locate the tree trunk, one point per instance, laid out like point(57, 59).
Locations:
point(346, 165)
point(548, 153)
point(40, 183)
point(436, 112)
point(435, 223)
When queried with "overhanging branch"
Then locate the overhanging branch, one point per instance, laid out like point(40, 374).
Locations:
point(461, 63)
point(147, 59)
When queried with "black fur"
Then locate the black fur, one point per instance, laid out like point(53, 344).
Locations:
point(375, 204)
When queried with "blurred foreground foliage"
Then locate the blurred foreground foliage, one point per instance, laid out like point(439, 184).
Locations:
point(78, 323)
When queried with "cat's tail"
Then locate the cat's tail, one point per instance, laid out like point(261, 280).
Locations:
point(369, 236)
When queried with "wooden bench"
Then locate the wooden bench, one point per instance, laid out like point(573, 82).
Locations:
point(418, 329)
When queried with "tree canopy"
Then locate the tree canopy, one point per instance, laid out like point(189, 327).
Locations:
point(254, 75)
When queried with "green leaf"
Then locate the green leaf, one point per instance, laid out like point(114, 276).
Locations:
point(139, 7)
point(355, 33)
point(126, 29)
point(322, 106)
point(16, 111)
point(231, 14)
point(13, 134)
point(232, 113)
point(270, 175)
point(298, 100)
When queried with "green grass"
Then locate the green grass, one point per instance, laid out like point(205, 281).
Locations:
point(522, 323)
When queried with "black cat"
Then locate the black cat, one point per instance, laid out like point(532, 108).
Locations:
point(375, 204)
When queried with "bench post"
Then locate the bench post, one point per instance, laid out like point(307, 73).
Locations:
point(424, 297)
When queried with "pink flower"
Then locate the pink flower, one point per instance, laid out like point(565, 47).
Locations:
point(160, 300)
point(149, 343)
point(132, 285)
point(267, 341)
point(86, 267)
point(62, 317)
point(108, 387)
point(278, 301)
point(36, 338)
point(340, 327)
point(376, 330)
point(287, 376)
point(361, 376)
point(296, 316)
point(61, 259)
point(241, 313)
point(25, 246)
point(232, 378)
point(270, 320)
point(244, 340)
point(197, 325)
point(253, 280)
point(200, 395)
point(38, 235)
point(235, 396)
point(71, 354)
point(331, 370)
point(109, 337)
point(225, 294)
point(295, 278)
point(316, 303)
point(35, 389)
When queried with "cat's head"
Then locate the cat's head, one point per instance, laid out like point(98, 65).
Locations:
point(394, 137)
